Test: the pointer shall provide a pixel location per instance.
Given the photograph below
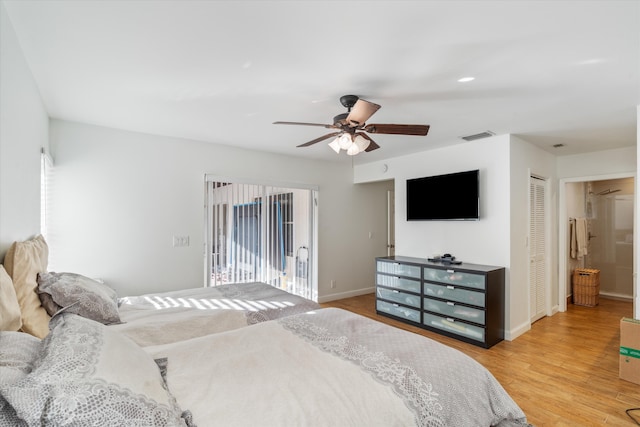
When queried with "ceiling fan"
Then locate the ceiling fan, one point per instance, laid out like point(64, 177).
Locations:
point(350, 127)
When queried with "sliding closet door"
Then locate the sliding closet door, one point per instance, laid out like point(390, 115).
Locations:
point(537, 248)
point(260, 233)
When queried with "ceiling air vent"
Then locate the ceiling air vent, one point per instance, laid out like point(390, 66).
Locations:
point(478, 136)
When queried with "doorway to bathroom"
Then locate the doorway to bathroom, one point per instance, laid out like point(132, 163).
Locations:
point(606, 206)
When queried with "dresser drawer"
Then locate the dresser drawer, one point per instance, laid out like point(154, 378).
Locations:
point(450, 325)
point(452, 277)
point(451, 293)
point(398, 269)
point(398, 283)
point(455, 310)
point(397, 296)
point(396, 310)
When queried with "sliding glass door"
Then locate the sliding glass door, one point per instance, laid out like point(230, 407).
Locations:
point(261, 233)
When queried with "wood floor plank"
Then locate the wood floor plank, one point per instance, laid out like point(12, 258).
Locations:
point(563, 372)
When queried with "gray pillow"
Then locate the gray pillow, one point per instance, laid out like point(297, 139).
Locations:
point(78, 294)
point(89, 374)
point(18, 353)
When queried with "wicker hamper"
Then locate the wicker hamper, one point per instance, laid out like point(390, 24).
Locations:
point(586, 286)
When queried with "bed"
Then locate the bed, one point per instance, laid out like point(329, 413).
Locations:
point(174, 359)
point(30, 295)
point(173, 316)
point(326, 367)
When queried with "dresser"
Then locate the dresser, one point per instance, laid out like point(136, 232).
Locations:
point(464, 301)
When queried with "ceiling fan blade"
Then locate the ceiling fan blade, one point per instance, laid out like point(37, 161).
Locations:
point(322, 138)
point(372, 144)
point(421, 130)
point(305, 124)
point(361, 112)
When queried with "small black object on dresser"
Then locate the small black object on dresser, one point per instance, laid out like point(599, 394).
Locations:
point(464, 301)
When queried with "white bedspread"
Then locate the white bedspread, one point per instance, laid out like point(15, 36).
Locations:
point(331, 368)
point(178, 315)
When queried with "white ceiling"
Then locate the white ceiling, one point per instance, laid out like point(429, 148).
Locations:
point(222, 71)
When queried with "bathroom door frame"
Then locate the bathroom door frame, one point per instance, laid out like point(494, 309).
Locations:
point(563, 243)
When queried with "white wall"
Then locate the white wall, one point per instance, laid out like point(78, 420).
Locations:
point(23, 132)
point(485, 241)
point(480, 242)
point(121, 196)
point(499, 238)
point(526, 160)
point(608, 162)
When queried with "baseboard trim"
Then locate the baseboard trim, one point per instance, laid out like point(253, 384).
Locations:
point(609, 295)
point(348, 294)
point(613, 295)
point(515, 333)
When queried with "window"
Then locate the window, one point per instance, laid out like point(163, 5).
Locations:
point(46, 166)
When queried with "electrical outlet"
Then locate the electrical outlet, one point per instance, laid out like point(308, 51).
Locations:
point(333, 284)
point(180, 241)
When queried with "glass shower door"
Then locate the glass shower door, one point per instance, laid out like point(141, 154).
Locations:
point(610, 234)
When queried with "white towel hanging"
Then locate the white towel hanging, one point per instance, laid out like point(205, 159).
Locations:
point(581, 237)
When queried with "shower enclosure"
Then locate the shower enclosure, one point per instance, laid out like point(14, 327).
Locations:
point(609, 212)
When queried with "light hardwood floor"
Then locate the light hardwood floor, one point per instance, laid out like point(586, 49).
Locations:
point(563, 372)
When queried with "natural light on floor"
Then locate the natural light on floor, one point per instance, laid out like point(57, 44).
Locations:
point(161, 303)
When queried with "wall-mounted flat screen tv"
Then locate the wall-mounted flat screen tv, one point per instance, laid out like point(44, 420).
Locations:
point(454, 196)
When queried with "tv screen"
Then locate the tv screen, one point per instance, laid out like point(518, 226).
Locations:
point(454, 196)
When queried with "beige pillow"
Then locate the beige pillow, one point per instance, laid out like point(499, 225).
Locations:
point(23, 261)
point(9, 308)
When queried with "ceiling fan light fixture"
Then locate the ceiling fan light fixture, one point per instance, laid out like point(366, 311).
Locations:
point(353, 150)
point(335, 146)
point(361, 142)
point(345, 141)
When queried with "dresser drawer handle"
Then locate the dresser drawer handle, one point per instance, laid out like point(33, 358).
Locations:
point(450, 287)
point(395, 305)
point(450, 303)
point(451, 320)
point(451, 271)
